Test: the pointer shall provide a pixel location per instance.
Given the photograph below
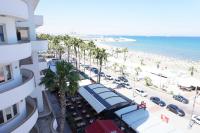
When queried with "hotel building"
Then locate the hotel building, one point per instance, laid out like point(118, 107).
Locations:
point(21, 65)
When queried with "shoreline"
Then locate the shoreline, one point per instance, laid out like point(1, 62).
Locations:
point(171, 64)
point(107, 46)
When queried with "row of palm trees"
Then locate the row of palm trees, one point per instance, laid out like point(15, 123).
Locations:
point(76, 47)
point(65, 79)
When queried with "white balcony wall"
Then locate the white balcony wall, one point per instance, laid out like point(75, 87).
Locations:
point(37, 93)
point(14, 52)
point(25, 125)
point(39, 45)
point(16, 77)
point(9, 29)
point(15, 121)
point(14, 8)
point(17, 93)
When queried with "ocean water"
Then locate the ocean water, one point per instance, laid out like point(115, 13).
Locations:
point(186, 48)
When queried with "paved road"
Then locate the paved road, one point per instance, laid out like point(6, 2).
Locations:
point(152, 92)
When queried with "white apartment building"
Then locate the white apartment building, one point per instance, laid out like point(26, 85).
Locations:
point(21, 98)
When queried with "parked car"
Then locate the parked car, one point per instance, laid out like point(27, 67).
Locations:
point(158, 101)
point(108, 77)
point(120, 85)
point(127, 85)
point(122, 79)
point(116, 81)
point(196, 119)
point(175, 109)
point(102, 74)
point(181, 99)
point(141, 92)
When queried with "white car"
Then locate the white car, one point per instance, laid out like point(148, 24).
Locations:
point(141, 92)
point(196, 119)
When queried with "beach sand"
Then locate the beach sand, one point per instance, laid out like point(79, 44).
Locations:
point(172, 68)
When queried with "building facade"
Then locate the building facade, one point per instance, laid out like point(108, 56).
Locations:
point(21, 66)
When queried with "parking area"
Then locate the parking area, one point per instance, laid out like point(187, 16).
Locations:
point(173, 119)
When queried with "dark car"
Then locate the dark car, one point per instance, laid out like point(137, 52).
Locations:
point(116, 81)
point(108, 77)
point(121, 85)
point(173, 108)
point(158, 101)
point(102, 74)
point(122, 79)
point(94, 70)
point(181, 99)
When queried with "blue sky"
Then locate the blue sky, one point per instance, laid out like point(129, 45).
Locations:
point(121, 17)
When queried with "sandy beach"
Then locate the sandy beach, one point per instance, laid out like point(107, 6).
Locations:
point(172, 68)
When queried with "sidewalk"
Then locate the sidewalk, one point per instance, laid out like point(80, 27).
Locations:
point(56, 108)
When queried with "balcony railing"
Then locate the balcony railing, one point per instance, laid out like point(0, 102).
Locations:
point(10, 52)
point(32, 113)
point(16, 93)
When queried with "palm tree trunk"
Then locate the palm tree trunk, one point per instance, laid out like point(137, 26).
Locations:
point(76, 57)
point(79, 58)
point(60, 54)
point(84, 59)
point(68, 53)
point(90, 64)
point(63, 105)
point(100, 67)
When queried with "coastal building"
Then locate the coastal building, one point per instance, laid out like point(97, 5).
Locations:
point(21, 97)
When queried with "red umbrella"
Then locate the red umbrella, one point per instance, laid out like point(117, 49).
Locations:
point(103, 126)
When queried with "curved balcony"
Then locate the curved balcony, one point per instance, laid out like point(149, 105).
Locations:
point(40, 45)
point(14, 8)
point(30, 120)
point(17, 93)
point(14, 52)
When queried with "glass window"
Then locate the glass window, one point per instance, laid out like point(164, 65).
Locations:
point(1, 34)
point(1, 117)
point(8, 113)
point(15, 109)
point(5, 73)
point(2, 78)
point(23, 34)
point(8, 72)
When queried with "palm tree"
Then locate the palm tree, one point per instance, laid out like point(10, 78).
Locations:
point(148, 81)
point(142, 62)
point(122, 68)
point(65, 81)
point(67, 43)
point(75, 42)
point(57, 46)
point(125, 50)
point(158, 64)
point(137, 71)
point(101, 56)
point(115, 65)
point(84, 47)
point(91, 47)
point(117, 51)
point(192, 70)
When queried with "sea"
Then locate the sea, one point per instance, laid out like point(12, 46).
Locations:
point(184, 48)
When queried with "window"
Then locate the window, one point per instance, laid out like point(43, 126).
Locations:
point(2, 78)
point(22, 34)
point(5, 73)
point(1, 117)
point(1, 34)
point(8, 113)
